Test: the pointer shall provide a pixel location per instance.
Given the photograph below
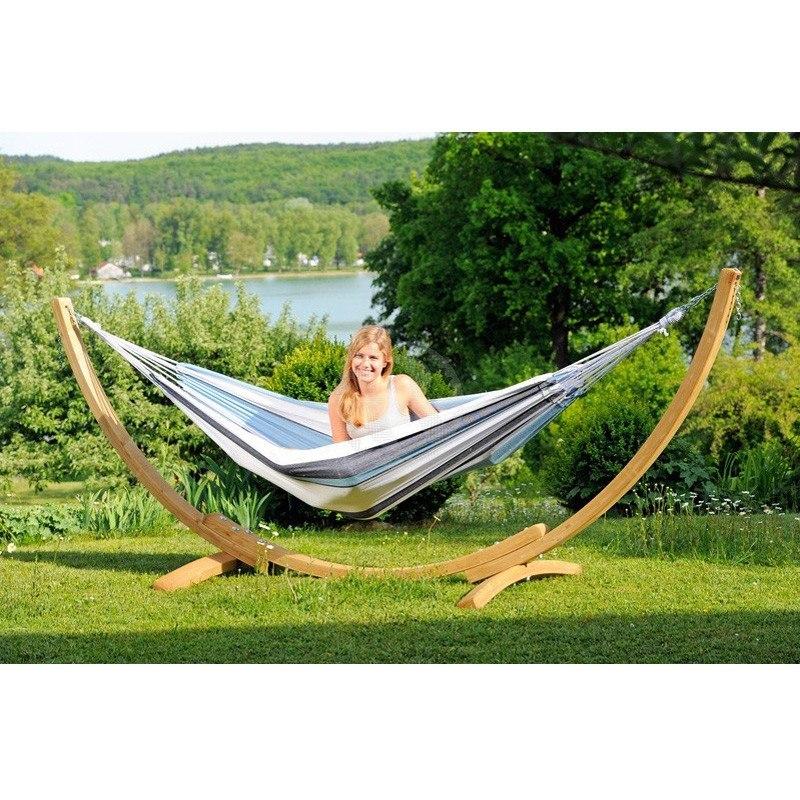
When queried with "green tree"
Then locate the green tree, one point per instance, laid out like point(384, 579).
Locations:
point(138, 240)
point(508, 237)
point(704, 227)
point(760, 160)
point(374, 227)
point(89, 238)
point(244, 251)
point(347, 246)
point(28, 235)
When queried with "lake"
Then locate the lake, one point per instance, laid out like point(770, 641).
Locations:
point(344, 299)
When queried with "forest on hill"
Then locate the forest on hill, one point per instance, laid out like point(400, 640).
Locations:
point(337, 174)
point(243, 208)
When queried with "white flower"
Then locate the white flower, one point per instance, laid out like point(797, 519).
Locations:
point(11, 547)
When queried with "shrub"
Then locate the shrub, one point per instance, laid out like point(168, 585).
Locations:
point(682, 470)
point(20, 524)
point(311, 371)
point(763, 475)
point(223, 487)
point(581, 451)
point(594, 450)
point(46, 430)
point(748, 403)
point(512, 364)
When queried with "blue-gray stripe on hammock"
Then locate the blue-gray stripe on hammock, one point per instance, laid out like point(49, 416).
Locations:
point(465, 458)
point(349, 470)
point(495, 442)
point(269, 424)
point(231, 405)
point(256, 419)
point(473, 457)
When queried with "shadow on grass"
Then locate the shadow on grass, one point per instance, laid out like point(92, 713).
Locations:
point(746, 637)
point(120, 562)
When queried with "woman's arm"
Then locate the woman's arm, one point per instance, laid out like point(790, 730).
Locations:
point(338, 426)
point(415, 398)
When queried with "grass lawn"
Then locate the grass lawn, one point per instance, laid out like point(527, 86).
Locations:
point(22, 494)
point(89, 600)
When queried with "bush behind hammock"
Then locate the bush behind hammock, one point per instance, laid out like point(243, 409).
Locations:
point(47, 432)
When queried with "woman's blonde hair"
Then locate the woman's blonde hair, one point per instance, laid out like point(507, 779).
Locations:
point(350, 406)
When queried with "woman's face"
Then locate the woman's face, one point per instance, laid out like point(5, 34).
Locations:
point(368, 363)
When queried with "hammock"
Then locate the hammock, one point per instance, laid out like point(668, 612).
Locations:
point(288, 441)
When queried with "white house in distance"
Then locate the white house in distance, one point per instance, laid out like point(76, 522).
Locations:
point(108, 271)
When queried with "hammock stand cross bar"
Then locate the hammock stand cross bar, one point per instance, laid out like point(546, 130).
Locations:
point(492, 569)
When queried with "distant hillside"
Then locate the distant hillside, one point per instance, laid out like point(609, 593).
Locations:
point(327, 174)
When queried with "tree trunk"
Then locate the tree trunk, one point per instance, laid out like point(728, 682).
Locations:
point(559, 329)
point(760, 326)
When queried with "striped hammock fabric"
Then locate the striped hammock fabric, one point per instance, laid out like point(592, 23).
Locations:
point(288, 441)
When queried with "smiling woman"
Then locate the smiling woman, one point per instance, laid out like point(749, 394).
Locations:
point(369, 398)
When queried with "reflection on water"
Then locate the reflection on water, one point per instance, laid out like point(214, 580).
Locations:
point(343, 299)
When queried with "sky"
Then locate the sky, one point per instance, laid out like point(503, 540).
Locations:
point(123, 146)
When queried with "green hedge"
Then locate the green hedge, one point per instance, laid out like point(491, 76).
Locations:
point(47, 432)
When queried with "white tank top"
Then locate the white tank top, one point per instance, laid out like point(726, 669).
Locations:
point(391, 417)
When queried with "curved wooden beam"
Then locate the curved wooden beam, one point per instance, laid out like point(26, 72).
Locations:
point(667, 427)
point(539, 568)
point(233, 540)
point(517, 551)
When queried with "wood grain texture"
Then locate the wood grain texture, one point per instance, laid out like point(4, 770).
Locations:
point(510, 560)
point(667, 427)
point(232, 539)
point(491, 587)
point(196, 572)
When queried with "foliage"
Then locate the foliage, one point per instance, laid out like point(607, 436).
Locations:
point(186, 236)
point(703, 228)
point(594, 449)
point(508, 238)
point(241, 209)
point(596, 436)
point(748, 403)
point(21, 524)
point(764, 475)
point(28, 233)
point(311, 371)
point(123, 511)
point(756, 159)
point(247, 173)
point(429, 378)
point(223, 487)
point(683, 469)
point(46, 430)
point(511, 364)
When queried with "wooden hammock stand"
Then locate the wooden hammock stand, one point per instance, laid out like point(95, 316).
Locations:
point(492, 568)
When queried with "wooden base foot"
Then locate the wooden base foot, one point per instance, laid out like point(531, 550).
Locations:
point(492, 586)
point(196, 572)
